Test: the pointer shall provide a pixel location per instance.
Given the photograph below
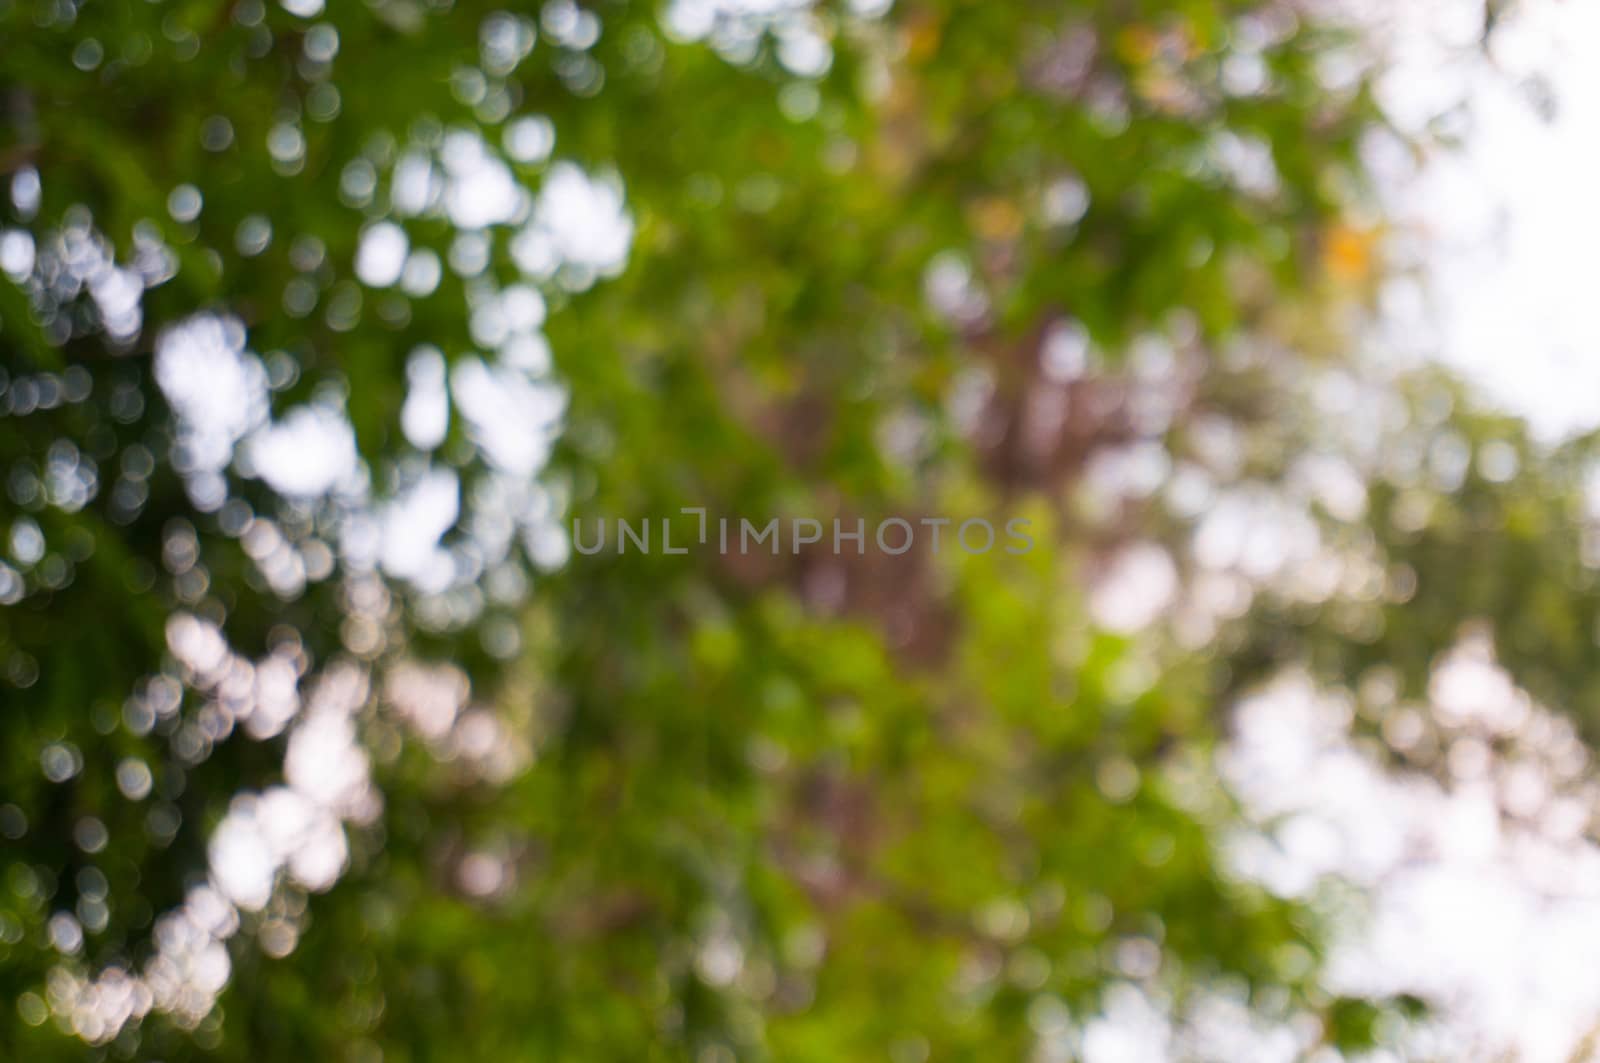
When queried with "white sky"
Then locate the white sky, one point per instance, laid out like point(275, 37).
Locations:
point(1510, 224)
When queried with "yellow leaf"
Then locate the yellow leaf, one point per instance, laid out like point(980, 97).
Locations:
point(1348, 253)
point(995, 218)
point(1137, 45)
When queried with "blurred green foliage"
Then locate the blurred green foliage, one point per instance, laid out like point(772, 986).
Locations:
point(795, 808)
